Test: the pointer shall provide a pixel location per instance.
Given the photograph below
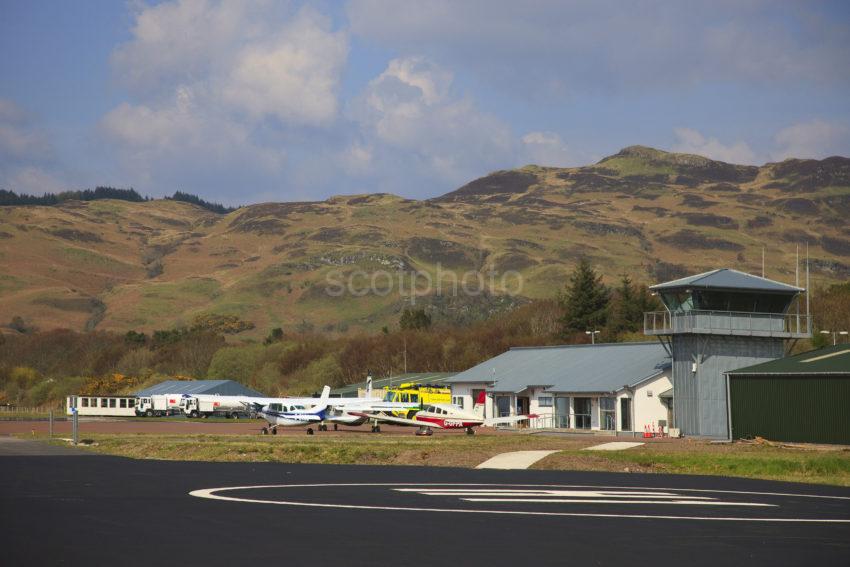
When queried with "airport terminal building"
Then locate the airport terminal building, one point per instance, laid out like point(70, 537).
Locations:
point(615, 387)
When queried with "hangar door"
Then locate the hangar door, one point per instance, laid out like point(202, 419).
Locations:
point(791, 408)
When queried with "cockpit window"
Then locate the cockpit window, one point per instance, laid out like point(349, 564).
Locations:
point(389, 396)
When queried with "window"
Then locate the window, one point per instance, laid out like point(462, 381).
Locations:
point(405, 398)
point(123, 402)
point(458, 401)
point(607, 413)
point(104, 402)
point(545, 401)
point(414, 398)
point(131, 402)
point(112, 402)
point(85, 402)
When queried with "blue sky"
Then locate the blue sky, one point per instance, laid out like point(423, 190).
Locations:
point(270, 101)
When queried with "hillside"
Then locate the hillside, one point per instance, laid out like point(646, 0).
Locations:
point(121, 265)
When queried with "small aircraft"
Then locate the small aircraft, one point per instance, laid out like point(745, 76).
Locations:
point(443, 416)
point(289, 412)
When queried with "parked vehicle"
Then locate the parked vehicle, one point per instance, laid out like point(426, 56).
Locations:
point(206, 405)
point(158, 405)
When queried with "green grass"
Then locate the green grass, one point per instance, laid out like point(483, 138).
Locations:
point(772, 463)
point(736, 460)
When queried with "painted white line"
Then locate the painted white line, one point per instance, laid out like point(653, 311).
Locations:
point(515, 460)
point(613, 446)
point(600, 501)
point(551, 493)
point(210, 493)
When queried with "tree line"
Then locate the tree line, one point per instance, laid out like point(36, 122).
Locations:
point(43, 367)
point(10, 198)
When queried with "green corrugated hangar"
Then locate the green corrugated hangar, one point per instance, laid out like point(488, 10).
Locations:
point(803, 398)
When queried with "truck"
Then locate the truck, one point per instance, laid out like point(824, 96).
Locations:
point(206, 405)
point(158, 405)
point(409, 392)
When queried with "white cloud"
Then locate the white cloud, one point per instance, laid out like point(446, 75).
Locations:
point(293, 76)
point(814, 139)
point(408, 111)
point(28, 161)
point(547, 149)
point(575, 45)
point(20, 139)
point(224, 86)
point(690, 141)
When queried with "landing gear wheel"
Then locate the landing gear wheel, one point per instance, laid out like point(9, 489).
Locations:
point(424, 432)
point(194, 414)
point(323, 427)
point(336, 427)
point(264, 431)
point(274, 431)
point(309, 431)
point(470, 431)
point(377, 429)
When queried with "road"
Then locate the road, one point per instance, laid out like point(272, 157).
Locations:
point(64, 509)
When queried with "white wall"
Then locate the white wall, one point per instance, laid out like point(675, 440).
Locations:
point(649, 409)
point(646, 409)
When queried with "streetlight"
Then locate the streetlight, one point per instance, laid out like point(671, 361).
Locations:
point(593, 336)
point(834, 333)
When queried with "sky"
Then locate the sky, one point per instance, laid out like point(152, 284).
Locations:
point(245, 102)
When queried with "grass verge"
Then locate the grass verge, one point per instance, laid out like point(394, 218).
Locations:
point(679, 457)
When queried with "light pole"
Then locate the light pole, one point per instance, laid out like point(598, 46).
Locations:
point(834, 337)
point(592, 336)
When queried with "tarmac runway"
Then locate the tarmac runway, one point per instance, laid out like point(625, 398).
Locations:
point(61, 509)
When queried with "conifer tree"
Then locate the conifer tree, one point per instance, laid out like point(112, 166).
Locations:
point(585, 300)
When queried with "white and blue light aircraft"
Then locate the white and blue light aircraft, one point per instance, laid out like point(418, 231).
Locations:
point(289, 412)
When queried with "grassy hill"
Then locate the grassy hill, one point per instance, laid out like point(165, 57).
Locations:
point(120, 265)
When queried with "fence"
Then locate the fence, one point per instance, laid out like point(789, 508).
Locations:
point(723, 322)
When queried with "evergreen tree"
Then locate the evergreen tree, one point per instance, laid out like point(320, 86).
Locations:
point(415, 319)
point(585, 300)
point(632, 301)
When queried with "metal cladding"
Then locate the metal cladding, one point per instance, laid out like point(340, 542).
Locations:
point(716, 322)
point(573, 368)
point(699, 385)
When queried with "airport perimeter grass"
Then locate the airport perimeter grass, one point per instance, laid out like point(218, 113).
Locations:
point(812, 465)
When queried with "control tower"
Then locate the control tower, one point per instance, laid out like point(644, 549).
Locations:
point(718, 321)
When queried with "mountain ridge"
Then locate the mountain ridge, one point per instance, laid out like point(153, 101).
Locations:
point(656, 215)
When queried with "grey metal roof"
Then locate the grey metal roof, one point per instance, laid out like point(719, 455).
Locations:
point(193, 387)
point(726, 278)
point(350, 390)
point(571, 368)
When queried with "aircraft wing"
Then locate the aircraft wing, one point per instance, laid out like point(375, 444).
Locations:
point(509, 419)
point(400, 420)
point(375, 406)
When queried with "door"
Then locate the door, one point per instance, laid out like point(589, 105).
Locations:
point(581, 408)
point(626, 414)
point(607, 412)
point(562, 412)
point(522, 405)
point(503, 406)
